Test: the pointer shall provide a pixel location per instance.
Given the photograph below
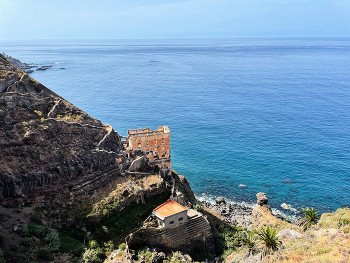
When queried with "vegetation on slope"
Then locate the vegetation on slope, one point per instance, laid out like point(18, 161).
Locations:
point(325, 241)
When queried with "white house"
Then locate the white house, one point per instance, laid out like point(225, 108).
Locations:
point(170, 214)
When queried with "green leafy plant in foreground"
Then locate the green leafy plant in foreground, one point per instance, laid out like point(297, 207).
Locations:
point(310, 217)
point(269, 239)
point(249, 239)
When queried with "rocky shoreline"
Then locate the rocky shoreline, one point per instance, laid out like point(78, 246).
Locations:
point(28, 68)
point(238, 214)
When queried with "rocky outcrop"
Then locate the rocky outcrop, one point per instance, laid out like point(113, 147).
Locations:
point(28, 68)
point(45, 140)
point(261, 199)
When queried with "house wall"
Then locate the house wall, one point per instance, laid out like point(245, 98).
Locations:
point(173, 220)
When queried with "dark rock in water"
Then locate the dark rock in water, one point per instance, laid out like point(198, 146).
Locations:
point(47, 141)
point(220, 200)
point(43, 68)
point(62, 68)
point(29, 71)
point(288, 181)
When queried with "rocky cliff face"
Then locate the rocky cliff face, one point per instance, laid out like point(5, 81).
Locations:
point(45, 140)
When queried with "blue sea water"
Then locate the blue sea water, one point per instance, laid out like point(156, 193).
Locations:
point(271, 114)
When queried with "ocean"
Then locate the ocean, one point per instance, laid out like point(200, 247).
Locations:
point(246, 115)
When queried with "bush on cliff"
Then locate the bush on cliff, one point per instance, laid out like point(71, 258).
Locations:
point(310, 218)
point(228, 238)
point(269, 239)
point(94, 254)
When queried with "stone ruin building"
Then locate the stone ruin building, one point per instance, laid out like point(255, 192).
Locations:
point(154, 144)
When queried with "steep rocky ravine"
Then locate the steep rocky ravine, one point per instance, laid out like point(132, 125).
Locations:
point(45, 140)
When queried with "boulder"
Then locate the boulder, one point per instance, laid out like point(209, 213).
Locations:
point(289, 233)
point(220, 200)
point(285, 206)
point(139, 164)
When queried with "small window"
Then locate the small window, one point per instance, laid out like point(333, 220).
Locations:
point(171, 222)
point(181, 219)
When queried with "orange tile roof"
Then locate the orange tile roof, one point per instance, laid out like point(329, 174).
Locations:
point(169, 208)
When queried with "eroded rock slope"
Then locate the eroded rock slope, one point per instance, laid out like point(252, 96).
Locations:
point(45, 140)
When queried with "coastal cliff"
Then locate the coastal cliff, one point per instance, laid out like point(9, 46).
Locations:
point(63, 198)
point(60, 184)
point(45, 140)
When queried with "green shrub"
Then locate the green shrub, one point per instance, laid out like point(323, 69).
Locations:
point(108, 246)
point(197, 207)
point(343, 222)
point(52, 240)
point(93, 244)
point(310, 218)
point(321, 251)
point(176, 257)
point(34, 230)
point(228, 238)
point(72, 242)
point(122, 246)
point(146, 255)
point(249, 239)
point(93, 255)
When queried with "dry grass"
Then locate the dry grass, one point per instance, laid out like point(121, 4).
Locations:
point(328, 241)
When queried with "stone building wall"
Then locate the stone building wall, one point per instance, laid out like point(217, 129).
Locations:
point(154, 143)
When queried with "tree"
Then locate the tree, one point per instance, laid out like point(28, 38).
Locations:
point(268, 237)
point(311, 217)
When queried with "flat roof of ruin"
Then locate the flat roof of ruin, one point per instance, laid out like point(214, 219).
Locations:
point(169, 208)
point(164, 129)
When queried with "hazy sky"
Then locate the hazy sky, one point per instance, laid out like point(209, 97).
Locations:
point(134, 19)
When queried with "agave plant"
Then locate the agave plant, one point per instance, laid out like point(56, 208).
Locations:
point(311, 217)
point(268, 237)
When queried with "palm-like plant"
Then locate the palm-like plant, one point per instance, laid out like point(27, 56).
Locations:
point(311, 217)
point(268, 237)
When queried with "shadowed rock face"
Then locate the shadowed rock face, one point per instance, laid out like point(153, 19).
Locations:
point(45, 140)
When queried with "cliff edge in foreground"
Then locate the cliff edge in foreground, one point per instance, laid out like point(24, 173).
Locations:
point(45, 140)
